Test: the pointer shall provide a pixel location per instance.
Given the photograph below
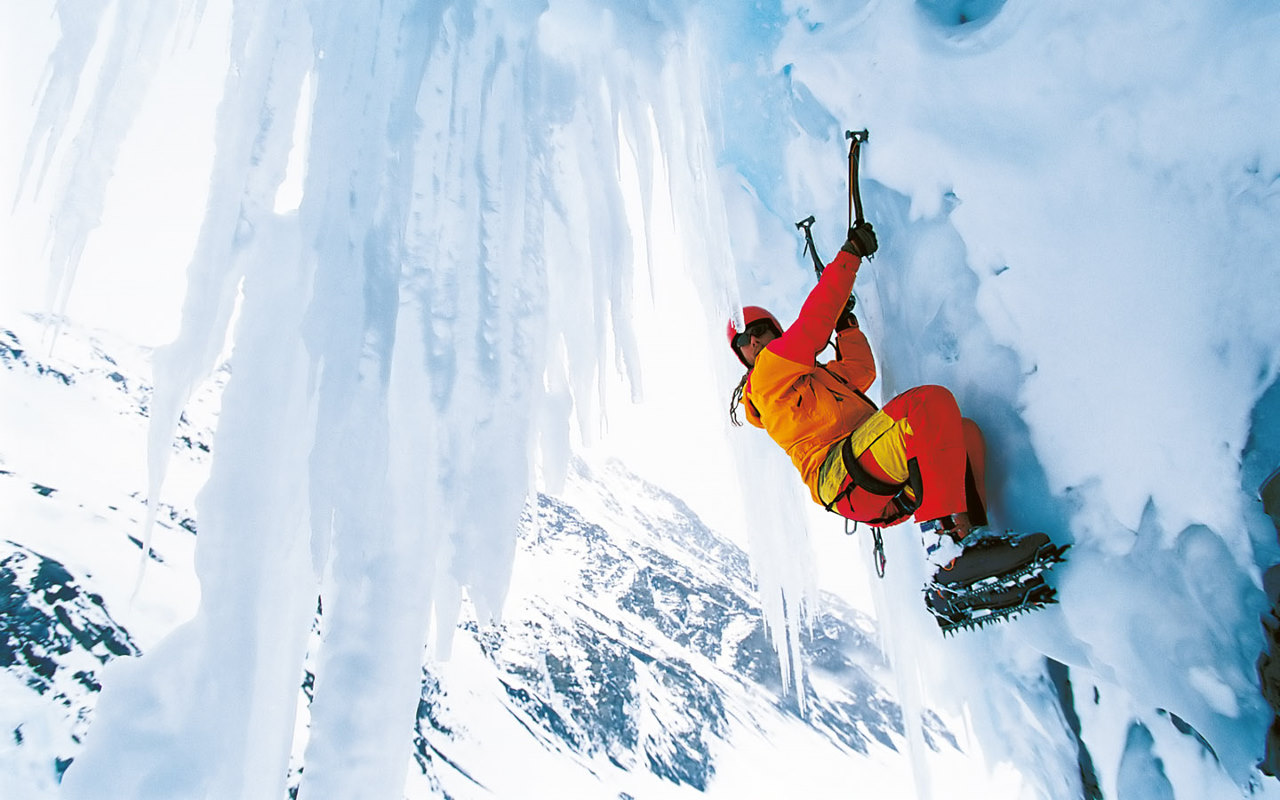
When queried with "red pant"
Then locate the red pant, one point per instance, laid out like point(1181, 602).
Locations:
point(942, 443)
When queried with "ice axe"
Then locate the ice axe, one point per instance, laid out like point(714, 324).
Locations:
point(806, 224)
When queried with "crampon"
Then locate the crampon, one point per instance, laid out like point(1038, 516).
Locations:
point(993, 580)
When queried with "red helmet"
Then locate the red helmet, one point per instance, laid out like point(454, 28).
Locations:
point(750, 316)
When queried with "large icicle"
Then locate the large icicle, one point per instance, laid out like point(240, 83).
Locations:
point(216, 702)
point(268, 62)
point(375, 582)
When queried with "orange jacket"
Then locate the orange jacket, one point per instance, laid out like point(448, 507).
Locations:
point(806, 407)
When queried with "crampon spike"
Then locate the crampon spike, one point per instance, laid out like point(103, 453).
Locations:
point(966, 610)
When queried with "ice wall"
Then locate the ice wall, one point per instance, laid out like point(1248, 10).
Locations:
point(1071, 205)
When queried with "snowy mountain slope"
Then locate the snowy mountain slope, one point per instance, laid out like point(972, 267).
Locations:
point(54, 635)
point(71, 464)
point(633, 657)
point(72, 508)
point(635, 641)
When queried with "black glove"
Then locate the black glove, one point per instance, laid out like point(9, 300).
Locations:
point(862, 240)
point(847, 318)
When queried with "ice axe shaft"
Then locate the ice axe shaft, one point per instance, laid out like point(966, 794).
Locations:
point(856, 138)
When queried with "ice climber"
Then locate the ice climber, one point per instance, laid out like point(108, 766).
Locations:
point(917, 456)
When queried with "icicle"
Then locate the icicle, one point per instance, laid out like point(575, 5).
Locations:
point(80, 24)
point(131, 58)
point(261, 94)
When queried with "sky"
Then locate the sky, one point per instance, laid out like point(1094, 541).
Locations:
point(156, 198)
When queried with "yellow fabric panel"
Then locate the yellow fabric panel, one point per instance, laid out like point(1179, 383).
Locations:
point(831, 476)
point(890, 451)
point(883, 437)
